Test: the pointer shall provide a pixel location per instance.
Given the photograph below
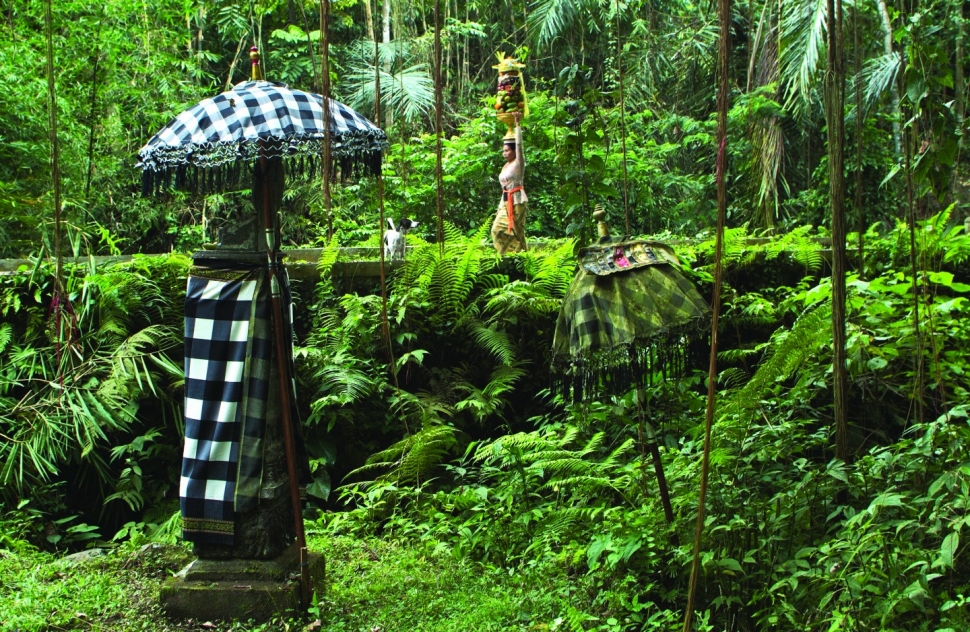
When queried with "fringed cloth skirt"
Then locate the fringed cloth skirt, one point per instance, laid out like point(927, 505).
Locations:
point(505, 240)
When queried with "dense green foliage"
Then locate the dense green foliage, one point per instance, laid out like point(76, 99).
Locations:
point(125, 68)
point(493, 471)
point(441, 458)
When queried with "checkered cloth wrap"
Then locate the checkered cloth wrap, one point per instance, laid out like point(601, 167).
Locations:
point(615, 329)
point(228, 358)
point(253, 117)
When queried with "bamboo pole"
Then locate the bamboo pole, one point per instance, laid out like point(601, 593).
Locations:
point(438, 106)
point(724, 17)
point(326, 174)
point(835, 111)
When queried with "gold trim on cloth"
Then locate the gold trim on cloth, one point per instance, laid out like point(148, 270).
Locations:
point(201, 525)
point(225, 274)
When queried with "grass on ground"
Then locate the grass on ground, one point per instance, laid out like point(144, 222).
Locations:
point(372, 586)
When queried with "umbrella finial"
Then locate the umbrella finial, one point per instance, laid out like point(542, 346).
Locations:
point(602, 230)
point(257, 70)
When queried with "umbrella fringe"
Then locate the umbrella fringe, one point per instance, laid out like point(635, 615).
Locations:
point(229, 175)
point(642, 363)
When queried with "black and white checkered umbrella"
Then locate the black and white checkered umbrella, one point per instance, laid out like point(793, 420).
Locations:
point(206, 146)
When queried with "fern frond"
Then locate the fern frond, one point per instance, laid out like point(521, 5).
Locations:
point(552, 272)
point(503, 379)
point(495, 342)
point(523, 441)
point(788, 353)
point(732, 377)
point(411, 459)
point(488, 400)
point(342, 377)
point(581, 483)
point(493, 281)
point(572, 465)
point(6, 335)
point(613, 460)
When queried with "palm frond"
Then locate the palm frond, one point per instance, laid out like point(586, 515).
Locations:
point(803, 28)
point(878, 76)
point(550, 19)
point(408, 93)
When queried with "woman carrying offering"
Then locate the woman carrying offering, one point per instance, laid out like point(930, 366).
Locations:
point(508, 229)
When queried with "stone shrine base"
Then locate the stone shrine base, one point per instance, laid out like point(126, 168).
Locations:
point(240, 589)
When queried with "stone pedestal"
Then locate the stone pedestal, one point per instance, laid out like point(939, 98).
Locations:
point(240, 589)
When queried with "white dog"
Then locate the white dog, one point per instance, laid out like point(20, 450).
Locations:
point(394, 238)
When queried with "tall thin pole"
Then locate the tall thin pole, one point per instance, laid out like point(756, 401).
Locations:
point(55, 152)
point(619, 64)
point(724, 16)
point(385, 324)
point(325, 89)
point(438, 106)
point(835, 110)
point(857, 193)
point(94, 103)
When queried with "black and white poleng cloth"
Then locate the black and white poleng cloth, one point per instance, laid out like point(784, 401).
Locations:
point(228, 367)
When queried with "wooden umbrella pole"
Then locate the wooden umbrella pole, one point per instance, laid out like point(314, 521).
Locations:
point(282, 369)
point(724, 16)
point(651, 440)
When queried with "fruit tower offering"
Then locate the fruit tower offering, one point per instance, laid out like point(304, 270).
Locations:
point(510, 96)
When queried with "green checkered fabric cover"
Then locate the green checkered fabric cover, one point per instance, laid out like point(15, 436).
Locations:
point(617, 329)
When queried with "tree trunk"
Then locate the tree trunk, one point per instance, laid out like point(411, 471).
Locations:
point(369, 19)
point(835, 114)
point(387, 21)
point(446, 72)
point(389, 115)
point(465, 63)
point(857, 201)
point(887, 47)
point(958, 98)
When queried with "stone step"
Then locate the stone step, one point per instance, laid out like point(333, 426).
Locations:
point(239, 589)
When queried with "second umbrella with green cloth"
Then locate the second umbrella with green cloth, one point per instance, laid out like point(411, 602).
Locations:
point(628, 314)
